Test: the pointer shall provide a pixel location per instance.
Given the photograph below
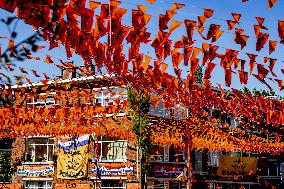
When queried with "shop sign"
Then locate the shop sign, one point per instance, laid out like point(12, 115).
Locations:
point(35, 171)
point(114, 169)
point(236, 166)
point(166, 170)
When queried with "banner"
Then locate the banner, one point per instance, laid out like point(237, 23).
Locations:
point(11, 186)
point(166, 170)
point(107, 169)
point(35, 171)
point(72, 157)
point(236, 166)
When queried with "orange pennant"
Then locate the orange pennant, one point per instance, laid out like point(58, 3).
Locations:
point(208, 13)
point(272, 46)
point(176, 6)
point(270, 3)
point(175, 24)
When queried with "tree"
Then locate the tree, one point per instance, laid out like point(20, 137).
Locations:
point(199, 75)
point(140, 105)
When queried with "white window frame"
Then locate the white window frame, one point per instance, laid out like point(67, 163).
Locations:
point(100, 142)
point(33, 153)
point(37, 187)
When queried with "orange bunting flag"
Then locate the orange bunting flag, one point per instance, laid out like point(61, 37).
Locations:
point(23, 70)
point(94, 5)
point(8, 5)
point(208, 13)
point(270, 3)
point(256, 29)
point(48, 59)
point(281, 30)
point(272, 62)
point(272, 46)
point(262, 71)
point(231, 24)
point(151, 1)
point(243, 76)
point(252, 58)
point(218, 34)
point(189, 26)
point(175, 24)
point(228, 77)
point(261, 40)
point(280, 84)
point(260, 21)
point(209, 68)
point(236, 17)
point(35, 73)
point(193, 65)
point(177, 6)
point(240, 39)
point(201, 20)
point(143, 8)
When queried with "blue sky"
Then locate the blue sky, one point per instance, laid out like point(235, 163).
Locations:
point(193, 8)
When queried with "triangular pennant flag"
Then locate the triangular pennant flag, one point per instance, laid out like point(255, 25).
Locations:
point(208, 13)
point(175, 24)
point(270, 3)
point(176, 6)
point(236, 17)
point(272, 46)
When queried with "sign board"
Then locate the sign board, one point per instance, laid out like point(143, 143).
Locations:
point(230, 166)
point(132, 186)
point(72, 186)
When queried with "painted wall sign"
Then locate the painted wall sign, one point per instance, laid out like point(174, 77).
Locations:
point(236, 166)
point(35, 171)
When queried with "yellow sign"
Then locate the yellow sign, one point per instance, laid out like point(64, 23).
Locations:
point(230, 166)
point(73, 158)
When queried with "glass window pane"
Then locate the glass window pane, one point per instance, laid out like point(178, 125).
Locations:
point(41, 153)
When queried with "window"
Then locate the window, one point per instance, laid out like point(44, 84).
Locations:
point(38, 185)
point(113, 184)
point(213, 158)
point(39, 149)
point(111, 150)
point(156, 153)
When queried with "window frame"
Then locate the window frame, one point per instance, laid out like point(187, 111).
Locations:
point(33, 152)
point(101, 141)
point(37, 187)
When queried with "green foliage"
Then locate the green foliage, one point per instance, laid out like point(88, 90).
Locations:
point(140, 105)
point(199, 75)
point(258, 92)
point(5, 167)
